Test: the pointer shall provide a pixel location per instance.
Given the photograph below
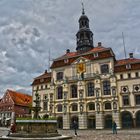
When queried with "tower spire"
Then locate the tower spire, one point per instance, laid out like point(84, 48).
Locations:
point(83, 10)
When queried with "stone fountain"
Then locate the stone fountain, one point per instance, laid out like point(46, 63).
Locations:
point(36, 128)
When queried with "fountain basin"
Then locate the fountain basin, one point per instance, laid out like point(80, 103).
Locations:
point(36, 128)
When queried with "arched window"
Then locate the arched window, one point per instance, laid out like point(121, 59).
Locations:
point(74, 107)
point(90, 89)
point(106, 88)
point(108, 105)
point(59, 108)
point(73, 91)
point(91, 106)
point(60, 92)
point(104, 68)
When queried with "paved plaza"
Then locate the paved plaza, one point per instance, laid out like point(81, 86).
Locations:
point(95, 134)
point(103, 134)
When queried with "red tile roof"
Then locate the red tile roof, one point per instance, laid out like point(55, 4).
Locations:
point(120, 65)
point(127, 61)
point(72, 56)
point(20, 98)
point(43, 78)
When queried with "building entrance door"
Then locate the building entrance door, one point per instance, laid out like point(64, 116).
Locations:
point(60, 122)
point(127, 121)
point(138, 119)
point(91, 122)
point(108, 121)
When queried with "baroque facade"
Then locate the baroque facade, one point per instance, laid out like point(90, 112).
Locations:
point(14, 104)
point(90, 86)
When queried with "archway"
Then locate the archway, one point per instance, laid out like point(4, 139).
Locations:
point(108, 121)
point(91, 123)
point(138, 119)
point(127, 121)
point(74, 118)
point(60, 122)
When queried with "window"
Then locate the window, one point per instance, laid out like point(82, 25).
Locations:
point(45, 105)
point(59, 76)
point(73, 91)
point(59, 108)
point(95, 54)
point(104, 69)
point(129, 75)
point(107, 105)
point(91, 106)
point(137, 99)
point(136, 74)
point(125, 100)
point(41, 86)
point(106, 88)
point(124, 89)
point(60, 92)
point(121, 76)
point(128, 66)
point(74, 107)
point(90, 89)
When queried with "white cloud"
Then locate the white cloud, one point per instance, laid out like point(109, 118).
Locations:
point(29, 28)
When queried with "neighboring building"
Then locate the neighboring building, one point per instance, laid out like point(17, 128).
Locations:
point(91, 86)
point(14, 104)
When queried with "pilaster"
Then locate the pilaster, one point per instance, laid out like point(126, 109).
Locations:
point(116, 118)
point(99, 120)
point(82, 121)
point(66, 121)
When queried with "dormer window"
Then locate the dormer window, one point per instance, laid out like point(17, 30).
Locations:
point(95, 54)
point(128, 66)
point(59, 76)
point(66, 60)
point(41, 80)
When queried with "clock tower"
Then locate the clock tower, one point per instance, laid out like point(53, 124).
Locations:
point(84, 35)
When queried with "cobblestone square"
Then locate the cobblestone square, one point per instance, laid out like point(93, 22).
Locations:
point(103, 134)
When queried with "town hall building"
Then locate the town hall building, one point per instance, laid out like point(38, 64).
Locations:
point(90, 86)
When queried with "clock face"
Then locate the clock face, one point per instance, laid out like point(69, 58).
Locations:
point(80, 67)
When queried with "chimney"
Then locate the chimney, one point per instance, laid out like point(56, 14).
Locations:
point(68, 51)
point(130, 55)
point(99, 43)
point(46, 71)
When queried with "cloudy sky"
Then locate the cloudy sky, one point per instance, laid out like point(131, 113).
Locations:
point(29, 28)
